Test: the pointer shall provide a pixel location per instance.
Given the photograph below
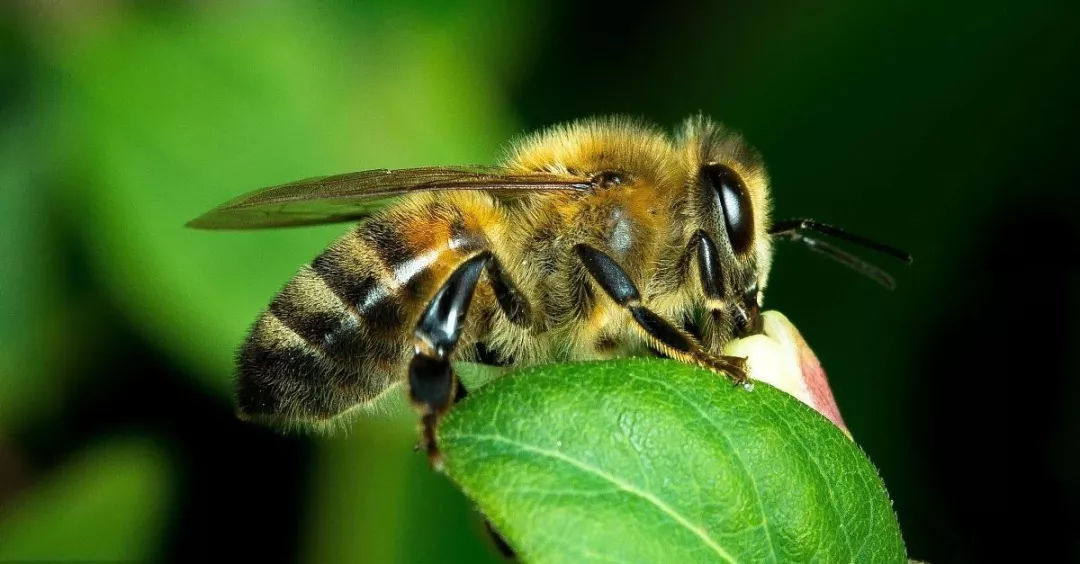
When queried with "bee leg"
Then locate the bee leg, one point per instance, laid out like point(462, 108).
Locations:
point(507, 294)
point(712, 285)
point(433, 386)
point(661, 333)
point(708, 261)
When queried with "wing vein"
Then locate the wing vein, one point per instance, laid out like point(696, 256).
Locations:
point(354, 196)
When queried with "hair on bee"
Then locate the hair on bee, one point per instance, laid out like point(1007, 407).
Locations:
point(592, 239)
point(384, 406)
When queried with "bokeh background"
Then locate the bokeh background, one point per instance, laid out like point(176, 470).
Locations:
point(949, 130)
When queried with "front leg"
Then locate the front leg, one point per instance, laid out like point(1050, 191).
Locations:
point(433, 386)
point(658, 331)
point(727, 314)
point(711, 275)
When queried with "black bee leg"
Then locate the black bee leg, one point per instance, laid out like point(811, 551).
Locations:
point(709, 270)
point(507, 294)
point(725, 317)
point(661, 333)
point(432, 383)
point(711, 275)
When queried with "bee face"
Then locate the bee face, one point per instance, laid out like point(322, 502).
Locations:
point(729, 196)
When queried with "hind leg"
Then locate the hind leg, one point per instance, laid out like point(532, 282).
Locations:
point(433, 386)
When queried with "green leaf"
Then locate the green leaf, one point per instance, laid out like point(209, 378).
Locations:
point(372, 493)
point(161, 119)
point(108, 504)
point(650, 460)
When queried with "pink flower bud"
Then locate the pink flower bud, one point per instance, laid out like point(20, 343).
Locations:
point(781, 358)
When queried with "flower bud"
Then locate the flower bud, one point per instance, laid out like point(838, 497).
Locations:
point(780, 357)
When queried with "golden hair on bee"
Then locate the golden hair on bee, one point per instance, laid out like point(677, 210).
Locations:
point(598, 238)
point(594, 145)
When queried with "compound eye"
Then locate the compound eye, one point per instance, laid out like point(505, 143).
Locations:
point(733, 200)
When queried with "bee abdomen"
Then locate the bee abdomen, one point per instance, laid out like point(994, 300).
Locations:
point(281, 377)
point(339, 333)
point(313, 353)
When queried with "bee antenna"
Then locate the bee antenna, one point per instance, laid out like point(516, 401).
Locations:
point(790, 229)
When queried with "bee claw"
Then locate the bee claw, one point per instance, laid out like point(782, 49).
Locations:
point(731, 367)
point(428, 424)
point(740, 380)
point(434, 455)
point(435, 458)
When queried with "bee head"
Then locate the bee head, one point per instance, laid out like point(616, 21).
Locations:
point(729, 195)
point(728, 201)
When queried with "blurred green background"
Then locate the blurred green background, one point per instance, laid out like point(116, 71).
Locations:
point(948, 130)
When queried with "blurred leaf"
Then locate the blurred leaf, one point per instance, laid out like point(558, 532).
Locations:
point(393, 402)
point(108, 504)
point(377, 500)
point(474, 375)
point(646, 460)
point(163, 118)
point(372, 482)
point(28, 295)
point(165, 114)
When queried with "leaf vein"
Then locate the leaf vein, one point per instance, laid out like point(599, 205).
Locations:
point(821, 471)
point(731, 447)
point(615, 480)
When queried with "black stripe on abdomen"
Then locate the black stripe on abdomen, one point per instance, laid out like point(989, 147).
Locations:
point(282, 381)
point(364, 288)
point(313, 355)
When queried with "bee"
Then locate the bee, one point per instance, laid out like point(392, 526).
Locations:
point(591, 240)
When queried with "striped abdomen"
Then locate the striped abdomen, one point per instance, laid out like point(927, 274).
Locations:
point(339, 333)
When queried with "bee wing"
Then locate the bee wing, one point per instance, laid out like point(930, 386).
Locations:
point(352, 196)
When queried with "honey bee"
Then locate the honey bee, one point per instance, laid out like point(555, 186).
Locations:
point(591, 240)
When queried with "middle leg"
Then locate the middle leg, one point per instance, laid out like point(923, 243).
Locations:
point(660, 333)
